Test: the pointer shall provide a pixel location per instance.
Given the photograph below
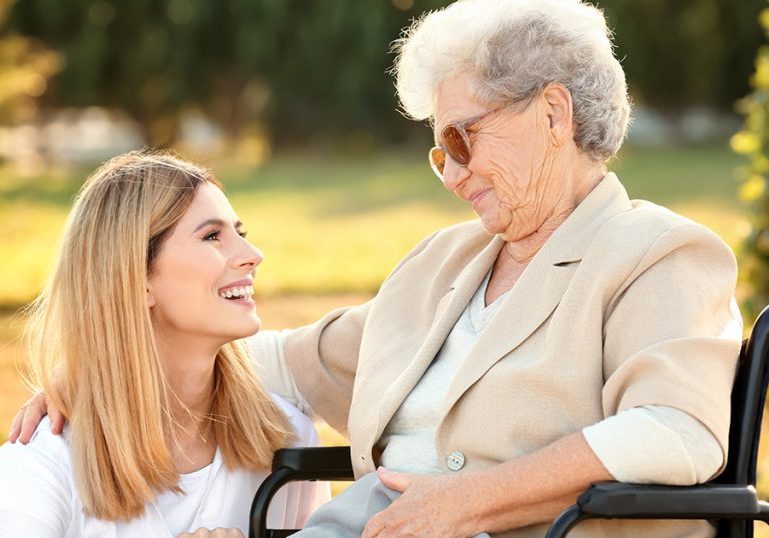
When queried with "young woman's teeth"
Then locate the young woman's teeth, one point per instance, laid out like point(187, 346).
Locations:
point(237, 293)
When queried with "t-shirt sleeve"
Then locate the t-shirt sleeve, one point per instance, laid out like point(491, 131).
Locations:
point(265, 349)
point(36, 491)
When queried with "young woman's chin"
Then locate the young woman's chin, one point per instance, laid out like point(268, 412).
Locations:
point(244, 329)
point(222, 333)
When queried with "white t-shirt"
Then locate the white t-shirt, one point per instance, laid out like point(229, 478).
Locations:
point(38, 497)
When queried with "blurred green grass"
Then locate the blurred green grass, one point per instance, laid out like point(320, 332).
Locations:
point(330, 224)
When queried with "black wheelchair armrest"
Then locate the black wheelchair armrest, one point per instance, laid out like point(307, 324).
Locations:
point(317, 463)
point(290, 465)
point(616, 500)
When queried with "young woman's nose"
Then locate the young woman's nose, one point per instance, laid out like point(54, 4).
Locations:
point(247, 256)
point(454, 174)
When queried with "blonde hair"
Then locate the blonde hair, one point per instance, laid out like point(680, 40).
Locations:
point(91, 325)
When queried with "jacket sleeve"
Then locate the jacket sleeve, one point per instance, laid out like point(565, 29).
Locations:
point(672, 332)
point(323, 356)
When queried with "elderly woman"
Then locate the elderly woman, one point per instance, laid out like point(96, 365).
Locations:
point(568, 336)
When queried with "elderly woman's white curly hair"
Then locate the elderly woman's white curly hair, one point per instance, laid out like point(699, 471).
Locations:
point(514, 48)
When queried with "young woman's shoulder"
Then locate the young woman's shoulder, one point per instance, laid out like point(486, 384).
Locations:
point(37, 488)
point(45, 451)
point(301, 423)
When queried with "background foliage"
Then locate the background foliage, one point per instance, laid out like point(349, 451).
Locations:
point(301, 71)
point(753, 142)
point(25, 66)
point(312, 74)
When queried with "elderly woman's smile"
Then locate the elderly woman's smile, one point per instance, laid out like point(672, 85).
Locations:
point(521, 178)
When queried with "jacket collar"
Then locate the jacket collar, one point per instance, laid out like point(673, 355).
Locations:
point(535, 295)
point(539, 288)
point(570, 241)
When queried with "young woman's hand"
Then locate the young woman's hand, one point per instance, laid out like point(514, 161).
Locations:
point(29, 416)
point(218, 532)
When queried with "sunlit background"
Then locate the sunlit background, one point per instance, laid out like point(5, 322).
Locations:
point(291, 105)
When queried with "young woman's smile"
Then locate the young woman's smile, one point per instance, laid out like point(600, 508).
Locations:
point(239, 292)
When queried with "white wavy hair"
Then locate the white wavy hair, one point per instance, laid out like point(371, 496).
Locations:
point(514, 48)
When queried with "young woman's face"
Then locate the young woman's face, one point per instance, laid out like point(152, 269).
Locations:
point(200, 284)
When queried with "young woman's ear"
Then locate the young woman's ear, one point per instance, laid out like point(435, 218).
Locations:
point(150, 299)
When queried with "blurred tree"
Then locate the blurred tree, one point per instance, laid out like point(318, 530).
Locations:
point(300, 70)
point(753, 142)
point(683, 53)
point(293, 68)
point(25, 66)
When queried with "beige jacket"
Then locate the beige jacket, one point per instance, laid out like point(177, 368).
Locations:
point(626, 304)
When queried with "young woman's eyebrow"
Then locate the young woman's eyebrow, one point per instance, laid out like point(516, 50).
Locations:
point(216, 222)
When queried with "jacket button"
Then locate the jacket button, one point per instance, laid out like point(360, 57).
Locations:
point(455, 461)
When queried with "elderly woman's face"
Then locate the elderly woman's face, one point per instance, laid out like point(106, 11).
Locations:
point(510, 178)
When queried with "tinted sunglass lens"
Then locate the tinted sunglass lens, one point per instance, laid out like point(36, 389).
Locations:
point(456, 145)
point(437, 159)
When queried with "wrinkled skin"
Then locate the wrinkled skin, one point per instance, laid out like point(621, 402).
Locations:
point(526, 174)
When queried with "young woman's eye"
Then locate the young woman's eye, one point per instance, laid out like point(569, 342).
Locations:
point(242, 233)
point(211, 236)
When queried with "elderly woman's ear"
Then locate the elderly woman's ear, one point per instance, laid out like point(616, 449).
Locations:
point(556, 99)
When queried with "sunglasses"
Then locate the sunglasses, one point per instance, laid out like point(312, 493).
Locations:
point(456, 144)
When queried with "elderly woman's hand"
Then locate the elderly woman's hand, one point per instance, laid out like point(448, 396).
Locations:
point(29, 416)
point(430, 505)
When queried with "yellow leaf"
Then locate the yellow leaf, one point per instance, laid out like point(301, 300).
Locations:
point(745, 142)
point(761, 76)
point(760, 163)
point(763, 18)
point(753, 188)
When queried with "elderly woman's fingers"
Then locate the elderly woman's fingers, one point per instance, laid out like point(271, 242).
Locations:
point(374, 528)
point(15, 430)
point(56, 416)
point(394, 481)
point(26, 420)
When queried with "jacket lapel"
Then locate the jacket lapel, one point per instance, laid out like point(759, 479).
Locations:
point(540, 287)
point(448, 311)
point(533, 298)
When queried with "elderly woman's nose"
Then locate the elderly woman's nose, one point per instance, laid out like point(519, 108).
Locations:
point(454, 174)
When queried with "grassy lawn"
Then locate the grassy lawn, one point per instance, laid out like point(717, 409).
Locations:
point(331, 228)
point(312, 215)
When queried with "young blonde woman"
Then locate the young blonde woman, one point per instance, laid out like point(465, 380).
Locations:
point(169, 431)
